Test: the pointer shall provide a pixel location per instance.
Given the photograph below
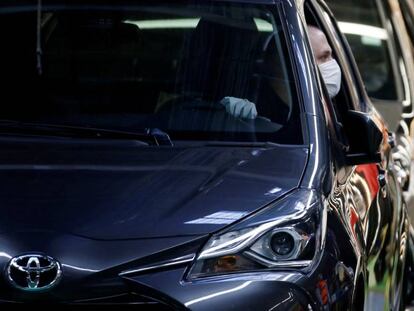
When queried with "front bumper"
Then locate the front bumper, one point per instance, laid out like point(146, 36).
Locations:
point(168, 289)
point(244, 292)
point(319, 289)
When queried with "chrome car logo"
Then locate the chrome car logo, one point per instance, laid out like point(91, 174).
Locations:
point(33, 272)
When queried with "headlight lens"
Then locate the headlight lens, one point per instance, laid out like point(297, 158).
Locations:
point(279, 243)
point(283, 243)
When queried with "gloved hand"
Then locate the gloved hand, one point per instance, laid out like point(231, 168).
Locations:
point(239, 108)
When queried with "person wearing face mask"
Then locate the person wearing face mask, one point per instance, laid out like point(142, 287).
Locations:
point(328, 66)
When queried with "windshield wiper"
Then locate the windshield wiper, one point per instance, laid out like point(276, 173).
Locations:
point(149, 136)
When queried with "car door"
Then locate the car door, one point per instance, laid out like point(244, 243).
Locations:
point(366, 197)
point(379, 42)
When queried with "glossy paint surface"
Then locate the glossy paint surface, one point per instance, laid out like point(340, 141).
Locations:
point(135, 192)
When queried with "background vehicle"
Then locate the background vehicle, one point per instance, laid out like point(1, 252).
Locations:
point(126, 180)
point(407, 10)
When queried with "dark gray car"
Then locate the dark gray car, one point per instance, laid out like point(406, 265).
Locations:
point(186, 155)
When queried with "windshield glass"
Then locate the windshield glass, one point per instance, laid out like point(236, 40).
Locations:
point(198, 70)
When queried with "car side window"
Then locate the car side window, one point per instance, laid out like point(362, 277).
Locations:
point(349, 96)
point(338, 44)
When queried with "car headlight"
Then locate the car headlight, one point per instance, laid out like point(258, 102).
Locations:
point(286, 241)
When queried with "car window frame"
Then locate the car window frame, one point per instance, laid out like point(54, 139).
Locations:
point(279, 9)
point(332, 119)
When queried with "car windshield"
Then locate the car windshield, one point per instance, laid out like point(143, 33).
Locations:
point(197, 70)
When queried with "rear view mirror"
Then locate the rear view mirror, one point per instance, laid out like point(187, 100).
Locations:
point(365, 139)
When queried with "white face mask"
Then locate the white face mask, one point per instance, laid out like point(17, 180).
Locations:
point(331, 73)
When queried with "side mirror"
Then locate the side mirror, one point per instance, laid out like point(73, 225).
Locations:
point(365, 139)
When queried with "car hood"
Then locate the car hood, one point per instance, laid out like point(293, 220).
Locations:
point(118, 190)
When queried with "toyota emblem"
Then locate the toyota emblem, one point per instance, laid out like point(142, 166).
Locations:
point(33, 272)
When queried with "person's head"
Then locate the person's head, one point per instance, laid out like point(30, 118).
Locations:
point(330, 70)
